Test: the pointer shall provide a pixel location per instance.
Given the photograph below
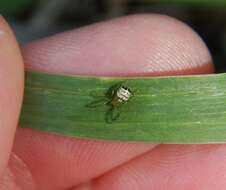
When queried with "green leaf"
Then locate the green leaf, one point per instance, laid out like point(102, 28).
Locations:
point(180, 109)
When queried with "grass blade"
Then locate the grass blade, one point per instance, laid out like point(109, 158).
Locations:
point(180, 109)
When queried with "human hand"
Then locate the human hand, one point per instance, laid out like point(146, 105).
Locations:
point(147, 45)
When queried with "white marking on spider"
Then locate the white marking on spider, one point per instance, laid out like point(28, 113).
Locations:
point(123, 94)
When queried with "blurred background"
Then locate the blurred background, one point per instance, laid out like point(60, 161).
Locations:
point(33, 19)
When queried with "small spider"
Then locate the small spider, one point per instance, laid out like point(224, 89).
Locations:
point(116, 96)
point(121, 95)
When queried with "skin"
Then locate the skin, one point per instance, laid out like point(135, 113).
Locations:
point(144, 45)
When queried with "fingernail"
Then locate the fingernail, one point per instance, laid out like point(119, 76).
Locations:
point(4, 26)
point(1, 30)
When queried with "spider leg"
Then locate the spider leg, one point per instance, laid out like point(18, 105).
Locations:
point(98, 100)
point(112, 115)
point(97, 103)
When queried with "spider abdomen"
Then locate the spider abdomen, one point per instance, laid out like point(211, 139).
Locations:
point(123, 94)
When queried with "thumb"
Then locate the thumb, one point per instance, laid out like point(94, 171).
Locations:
point(11, 90)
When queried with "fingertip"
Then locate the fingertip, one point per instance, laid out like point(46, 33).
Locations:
point(11, 82)
point(138, 45)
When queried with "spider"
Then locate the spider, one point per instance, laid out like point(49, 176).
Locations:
point(115, 97)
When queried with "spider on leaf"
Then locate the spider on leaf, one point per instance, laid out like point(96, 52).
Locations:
point(116, 96)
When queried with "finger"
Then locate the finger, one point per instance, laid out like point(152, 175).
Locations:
point(11, 79)
point(16, 176)
point(171, 167)
point(137, 45)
